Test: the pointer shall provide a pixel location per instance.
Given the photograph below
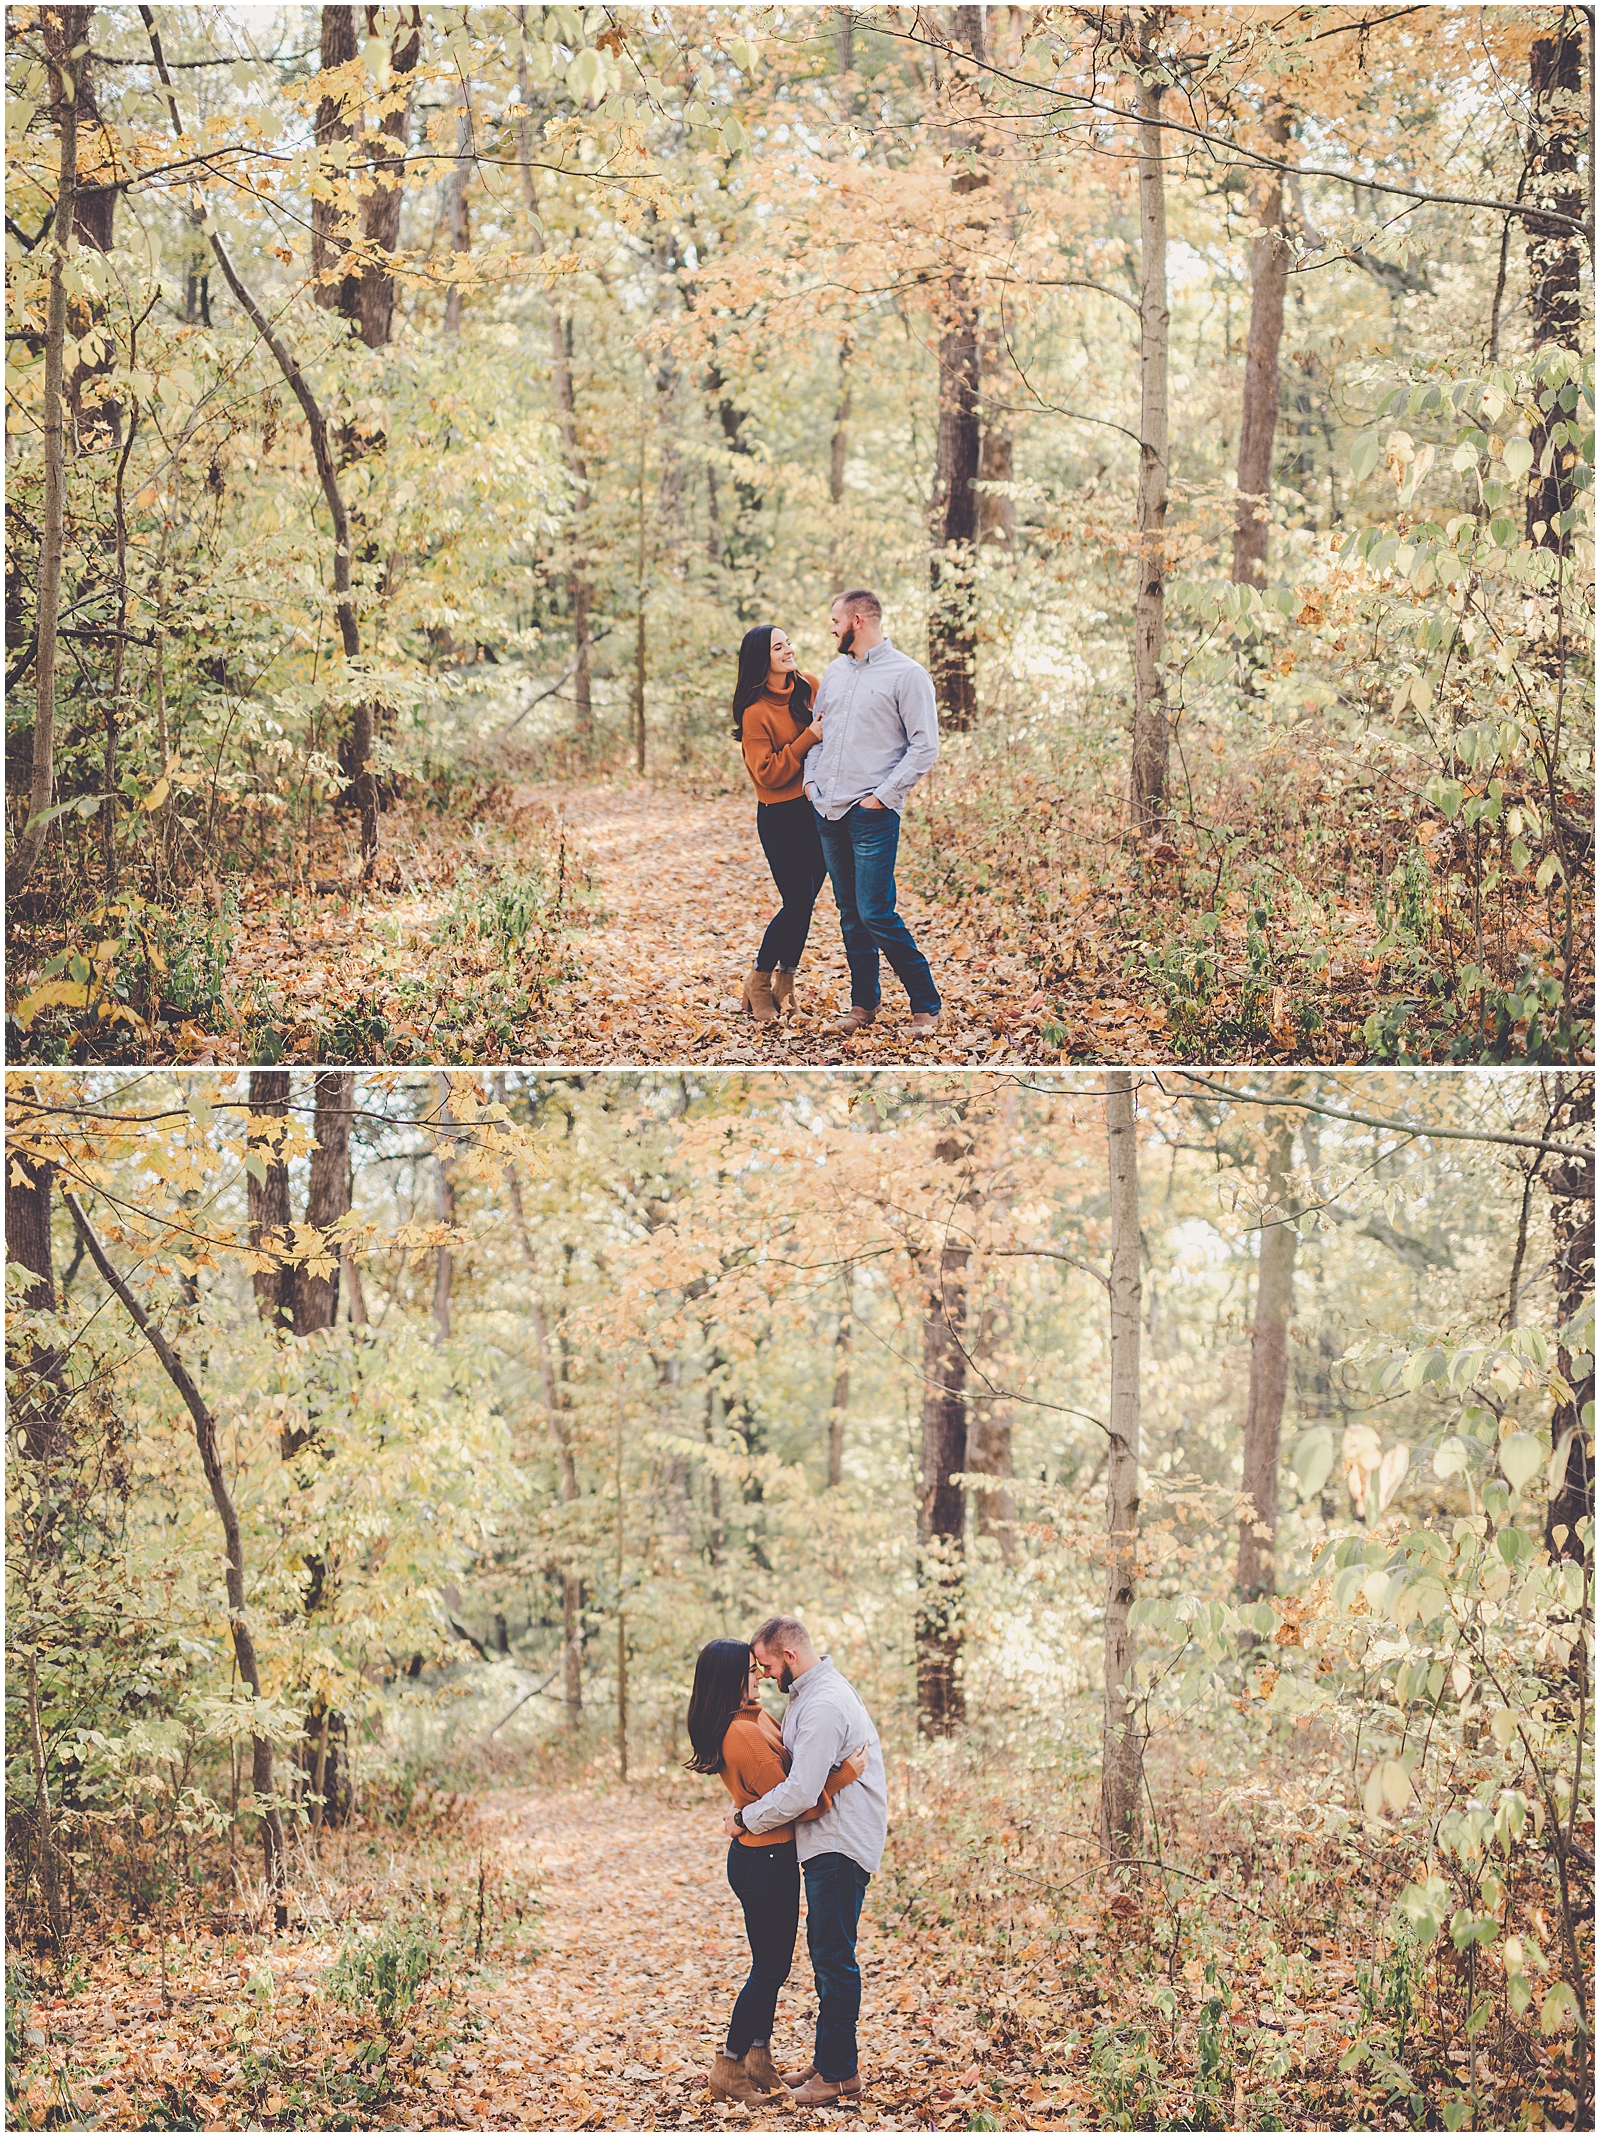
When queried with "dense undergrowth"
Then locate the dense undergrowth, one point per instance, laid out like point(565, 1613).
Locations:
point(1291, 915)
point(1257, 1971)
point(448, 954)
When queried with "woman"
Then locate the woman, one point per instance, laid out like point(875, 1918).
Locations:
point(733, 1734)
point(772, 720)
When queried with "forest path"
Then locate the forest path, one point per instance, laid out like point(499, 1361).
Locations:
point(685, 894)
point(641, 1952)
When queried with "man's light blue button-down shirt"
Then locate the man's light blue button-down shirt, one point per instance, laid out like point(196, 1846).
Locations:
point(880, 731)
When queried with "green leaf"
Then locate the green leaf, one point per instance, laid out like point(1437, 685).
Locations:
point(1467, 1928)
point(1312, 1460)
point(1522, 1456)
point(1364, 456)
point(1560, 2008)
point(1445, 795)
point(1425, 1906)
point(1518, 456)
point(584, 72)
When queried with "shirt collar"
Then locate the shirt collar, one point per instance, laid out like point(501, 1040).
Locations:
point(884, 645)
point(826, 1662)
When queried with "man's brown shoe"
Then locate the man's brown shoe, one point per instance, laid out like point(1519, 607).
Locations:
point(794, 2079)
point(924, 1022)
point(819, 2091)
point(855, 1018)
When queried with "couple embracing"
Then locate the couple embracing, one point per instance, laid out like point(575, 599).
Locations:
point(810, 1799)
point(832, 764)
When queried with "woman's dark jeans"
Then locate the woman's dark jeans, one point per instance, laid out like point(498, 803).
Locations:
point(789, 839)
point(766, 1883)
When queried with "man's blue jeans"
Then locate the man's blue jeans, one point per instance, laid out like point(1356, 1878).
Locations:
point(860, 850)
point(835, 1888)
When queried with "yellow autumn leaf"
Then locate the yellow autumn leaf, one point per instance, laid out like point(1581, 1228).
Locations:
point(54, 994)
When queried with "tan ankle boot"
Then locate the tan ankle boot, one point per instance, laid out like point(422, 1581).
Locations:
point(731, 2080)
point(783, 989)
point(757, 999)
point(760, 2068)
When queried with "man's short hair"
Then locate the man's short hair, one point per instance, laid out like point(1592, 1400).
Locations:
point(781, 1633)
point(862, 601)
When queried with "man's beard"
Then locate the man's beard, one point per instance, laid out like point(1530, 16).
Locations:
point(785, 1679)
point(849, 638)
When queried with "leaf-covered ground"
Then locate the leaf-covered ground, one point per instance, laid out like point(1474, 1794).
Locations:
point(684, 895)
point(612, 922)
point(589, 1951)
point(600, 2009)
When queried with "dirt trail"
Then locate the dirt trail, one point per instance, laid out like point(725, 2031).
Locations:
point(685, 894)
point(641, 1953)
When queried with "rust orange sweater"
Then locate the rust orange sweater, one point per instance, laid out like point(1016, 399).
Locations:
point(754, 1761)
point(774, 754)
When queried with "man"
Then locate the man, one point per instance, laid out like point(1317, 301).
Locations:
point(880, 733)
point(838, 1852)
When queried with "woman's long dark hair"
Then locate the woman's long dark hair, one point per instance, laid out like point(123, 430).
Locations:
point(755, 659)
point(720, 1673)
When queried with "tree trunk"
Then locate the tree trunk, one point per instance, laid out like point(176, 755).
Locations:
point(566, 1467)
point(267, 1200)
point(29, 1182)
point(205, 1433)
point(1556, 133)
point(1147, 784)
point(582, 591)
point(1258, 425)
point(951, 641)
point(36, 1399)
point(840, 444)
point(941, 1509)
point(329, 130)
point(989, 1438)
point(460, 235)
point(380, 211)
point(1269, 1369)
point(1121, 1752)
point(952, 632)
point(316, 1303)
point(1571, 1187)
point(841, 1381)
point(445, 1211)
point(997, 515)
point(63, 29)
point(363, 783)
